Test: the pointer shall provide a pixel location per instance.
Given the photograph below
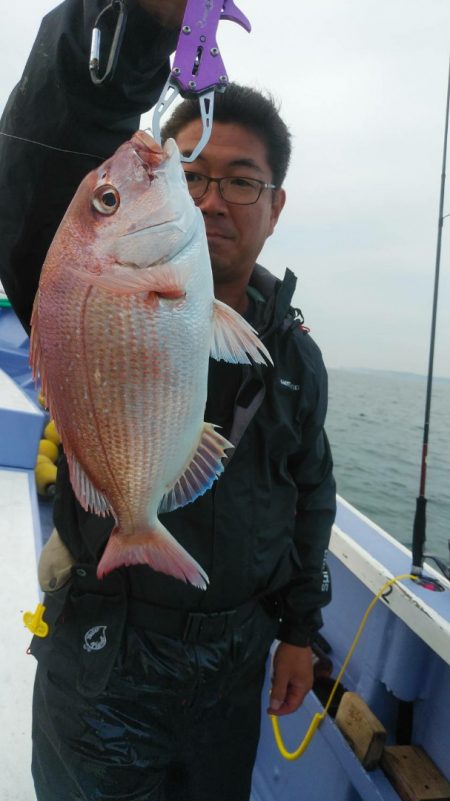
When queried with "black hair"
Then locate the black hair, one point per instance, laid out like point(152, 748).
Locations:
point(249, 108)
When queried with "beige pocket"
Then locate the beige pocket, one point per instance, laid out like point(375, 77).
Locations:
point(55, 564)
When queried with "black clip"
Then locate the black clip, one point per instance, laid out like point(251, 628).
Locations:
point(119, 7)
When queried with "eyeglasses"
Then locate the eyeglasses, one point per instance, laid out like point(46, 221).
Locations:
point(236, 189)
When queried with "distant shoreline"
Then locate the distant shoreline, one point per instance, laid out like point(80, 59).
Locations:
point(393, 373)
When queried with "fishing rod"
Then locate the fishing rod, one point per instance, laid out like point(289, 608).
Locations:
point(419, 528)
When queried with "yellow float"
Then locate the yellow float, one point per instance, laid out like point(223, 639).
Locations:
point(51, 433)
point(48, 448)
point(45, 468)
point(45, 475)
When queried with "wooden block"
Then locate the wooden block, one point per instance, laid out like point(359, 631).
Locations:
point(413, 774)
point(364, 732)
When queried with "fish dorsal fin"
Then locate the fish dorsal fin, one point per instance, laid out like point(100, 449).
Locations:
point(201, 472)
point(234, 340)
point(90, 498)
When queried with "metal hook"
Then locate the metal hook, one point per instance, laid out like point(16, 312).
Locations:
point(121, 8)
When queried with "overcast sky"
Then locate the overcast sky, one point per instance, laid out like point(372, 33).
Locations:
point(362, 85)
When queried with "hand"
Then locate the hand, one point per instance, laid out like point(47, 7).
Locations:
point(292, 678)
point(169, 13)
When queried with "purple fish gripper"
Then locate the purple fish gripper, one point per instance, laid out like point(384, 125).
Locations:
point(198, 69)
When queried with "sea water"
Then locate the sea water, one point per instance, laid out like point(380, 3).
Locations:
point(375, 427)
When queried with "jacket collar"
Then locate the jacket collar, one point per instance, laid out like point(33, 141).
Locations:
point(277, 294)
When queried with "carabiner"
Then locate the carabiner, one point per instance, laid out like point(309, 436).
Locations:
point(121, 8)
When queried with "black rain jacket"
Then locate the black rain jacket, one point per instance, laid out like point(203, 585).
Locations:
point(265, 526)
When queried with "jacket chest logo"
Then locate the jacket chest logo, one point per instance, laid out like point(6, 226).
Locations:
point(289, 385)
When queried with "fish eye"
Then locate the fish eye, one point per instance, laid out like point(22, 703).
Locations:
point(106, 199)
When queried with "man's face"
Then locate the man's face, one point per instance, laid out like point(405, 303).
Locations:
point(236, 234)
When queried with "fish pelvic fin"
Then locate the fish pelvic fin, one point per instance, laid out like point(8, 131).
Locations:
point(234, 340)
point(35, 345)
point(156, 548)
point(36, 360)
point(202, 471)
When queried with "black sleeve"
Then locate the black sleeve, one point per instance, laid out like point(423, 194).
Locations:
point(56, 105)
point(312, 469)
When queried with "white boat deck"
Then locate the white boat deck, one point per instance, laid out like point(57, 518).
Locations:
point(19, 593)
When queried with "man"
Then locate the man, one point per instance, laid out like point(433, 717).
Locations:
point(148, 688)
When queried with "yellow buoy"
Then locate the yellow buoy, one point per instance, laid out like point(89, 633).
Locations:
point(51, 433)
point(42, 458)
point(45, 475)
point(48, 448)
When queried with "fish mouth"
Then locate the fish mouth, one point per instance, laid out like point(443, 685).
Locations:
point(161, 259)
point(149, 228)
point(147, 150)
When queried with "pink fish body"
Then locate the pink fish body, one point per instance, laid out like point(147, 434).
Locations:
point(123, 325)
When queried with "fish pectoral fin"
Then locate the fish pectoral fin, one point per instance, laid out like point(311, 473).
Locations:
point(201, 472)
point(122, 279)
point(233, 338)
point(89, 497)
point(153, 546)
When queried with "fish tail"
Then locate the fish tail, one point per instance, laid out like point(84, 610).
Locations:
point(155, 547)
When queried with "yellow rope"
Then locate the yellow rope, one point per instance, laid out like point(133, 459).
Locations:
point(319, 716)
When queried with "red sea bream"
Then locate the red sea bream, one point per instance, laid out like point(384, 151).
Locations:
point(123, 325)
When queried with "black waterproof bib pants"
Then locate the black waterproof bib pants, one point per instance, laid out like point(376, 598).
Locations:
point(123, 714)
